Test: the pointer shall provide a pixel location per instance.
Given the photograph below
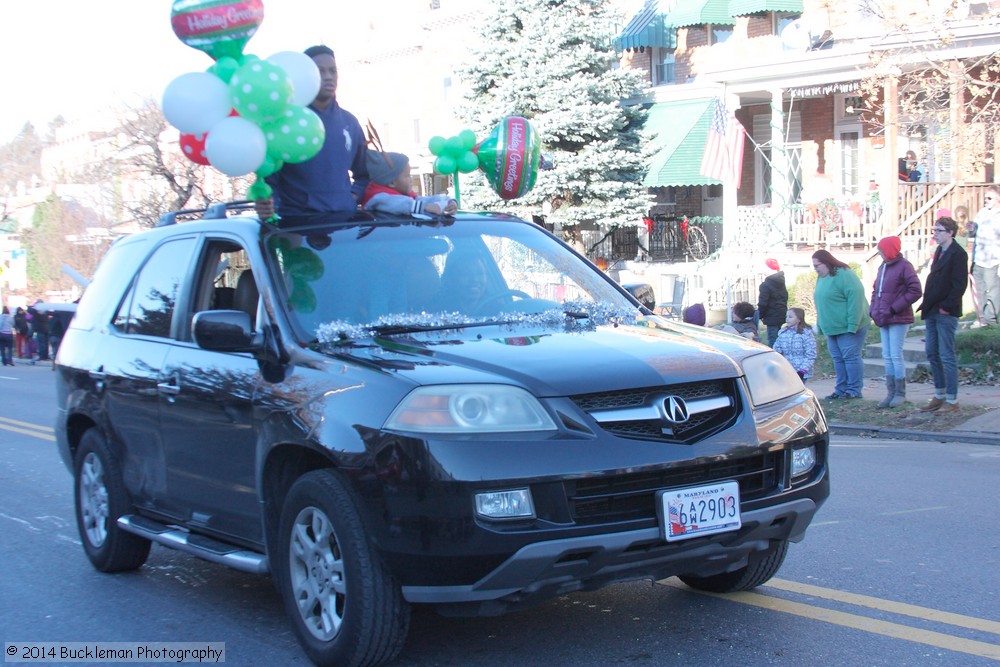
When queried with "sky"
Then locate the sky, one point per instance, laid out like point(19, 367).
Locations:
point(78, 58)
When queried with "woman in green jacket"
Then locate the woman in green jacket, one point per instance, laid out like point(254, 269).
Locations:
point(842, 316)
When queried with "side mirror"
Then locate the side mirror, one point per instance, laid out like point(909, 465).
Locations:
point(643, 293)
point(225, 331)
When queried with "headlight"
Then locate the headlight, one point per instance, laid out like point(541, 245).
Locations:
point(469, 408)
point(770, 378)
point(803, 460)
point(514, 504)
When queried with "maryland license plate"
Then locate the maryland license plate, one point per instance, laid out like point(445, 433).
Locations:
point(700, 510)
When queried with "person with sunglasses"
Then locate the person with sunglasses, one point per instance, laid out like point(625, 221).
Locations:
point(985, 235)
point(940, 309)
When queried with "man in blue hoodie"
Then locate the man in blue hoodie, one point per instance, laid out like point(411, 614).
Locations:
point(323, 183)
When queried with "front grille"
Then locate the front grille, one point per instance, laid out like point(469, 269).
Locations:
point(631, 497)
point(700, 425)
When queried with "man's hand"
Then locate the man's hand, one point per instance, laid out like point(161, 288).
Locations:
point(265, 208)
point(451, 208)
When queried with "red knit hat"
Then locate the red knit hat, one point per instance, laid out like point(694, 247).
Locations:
point(772, 264)
point(890, 246)
point(942, 213)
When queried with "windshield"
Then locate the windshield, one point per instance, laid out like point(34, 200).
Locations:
point(383, 278)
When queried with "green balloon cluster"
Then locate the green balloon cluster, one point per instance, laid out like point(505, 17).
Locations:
point(455, 153)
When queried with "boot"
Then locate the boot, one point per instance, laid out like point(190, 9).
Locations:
point(900, 396)
point(890, 392)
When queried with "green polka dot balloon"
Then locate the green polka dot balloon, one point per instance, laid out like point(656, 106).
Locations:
point(296, 136)
point(261, 91)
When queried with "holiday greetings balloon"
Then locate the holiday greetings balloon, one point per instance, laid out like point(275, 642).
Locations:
point(261, 91)
point(296, 136)
point(196, 101)
point(193, 147)
point(218, 27)
point(510, 156)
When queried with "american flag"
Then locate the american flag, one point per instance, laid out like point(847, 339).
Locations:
point(723, 158)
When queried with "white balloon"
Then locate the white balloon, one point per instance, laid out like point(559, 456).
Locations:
point(302, 70)
point(195, 102)
point(235, 146)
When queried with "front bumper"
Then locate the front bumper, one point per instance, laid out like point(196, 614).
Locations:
point(545, 569)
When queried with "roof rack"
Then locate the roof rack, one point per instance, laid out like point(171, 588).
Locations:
point(217, 211)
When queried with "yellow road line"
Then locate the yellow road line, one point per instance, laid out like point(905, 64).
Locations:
point(27, 424)
point(40, 432)
point(970, 622)
point(863, 623)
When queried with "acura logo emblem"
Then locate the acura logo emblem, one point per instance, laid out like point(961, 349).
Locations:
point(675, 409)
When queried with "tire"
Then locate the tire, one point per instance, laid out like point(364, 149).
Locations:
point(100, 499)
point(345, 607)
point(697, 243)
point(758, 571)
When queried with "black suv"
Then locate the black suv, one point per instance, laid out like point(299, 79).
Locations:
point(460, 412)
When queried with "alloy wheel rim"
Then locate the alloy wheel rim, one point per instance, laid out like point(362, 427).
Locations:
point(318, 580)
point(93, 500)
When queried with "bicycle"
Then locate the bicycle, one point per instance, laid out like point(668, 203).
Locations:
point(671, 236)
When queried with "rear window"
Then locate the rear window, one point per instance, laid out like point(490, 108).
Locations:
point(113, 277)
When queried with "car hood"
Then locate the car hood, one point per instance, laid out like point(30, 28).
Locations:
point(559, 362)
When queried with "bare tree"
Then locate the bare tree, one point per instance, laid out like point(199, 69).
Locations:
point(951, 103)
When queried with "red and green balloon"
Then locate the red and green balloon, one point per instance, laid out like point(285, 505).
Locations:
point(509, 157)
point(220, 28)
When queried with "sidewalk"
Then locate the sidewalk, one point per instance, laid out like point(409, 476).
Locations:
point(983, 429)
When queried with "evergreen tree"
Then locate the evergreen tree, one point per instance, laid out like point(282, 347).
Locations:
point(552, 62)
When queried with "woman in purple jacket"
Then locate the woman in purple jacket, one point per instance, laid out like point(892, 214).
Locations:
point(896, 289)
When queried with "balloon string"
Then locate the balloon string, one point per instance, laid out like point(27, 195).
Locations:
point(458, 200)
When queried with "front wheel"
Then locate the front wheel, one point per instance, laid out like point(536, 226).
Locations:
point(697, 243)
point(757, 572)
point(100, 499)
point(345, 607)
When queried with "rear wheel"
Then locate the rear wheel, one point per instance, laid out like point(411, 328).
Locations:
point(345, 607)
point(100, 499)
point(757, 571)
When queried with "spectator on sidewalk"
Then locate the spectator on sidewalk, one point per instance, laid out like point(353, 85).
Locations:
point(21, 332)
point(896, 289)
point(940, 309)
point(40, 330)
point(985, 257)
point(842, 316)
point(743, 322)
point(695, 314)
point(796, 342)
point(772, 300)
point(7, 337)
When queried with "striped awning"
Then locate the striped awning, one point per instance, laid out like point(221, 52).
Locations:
point(700, 12)
point(681, 130)
point(747, 7)
point(646, 29)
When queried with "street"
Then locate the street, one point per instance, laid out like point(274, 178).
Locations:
point(900, 568)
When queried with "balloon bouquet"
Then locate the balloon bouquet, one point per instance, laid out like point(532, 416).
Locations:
point(244, 114)
point(510, 157)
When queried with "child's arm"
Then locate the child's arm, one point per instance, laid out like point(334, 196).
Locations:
point(395, 204)
point(436, 205)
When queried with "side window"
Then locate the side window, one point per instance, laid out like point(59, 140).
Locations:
point(148, 308)
point(225, 281)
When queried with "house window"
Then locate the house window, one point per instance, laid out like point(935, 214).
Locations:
point(717, 34)
point(782, 20)
point(664, 67)
point(850, 161)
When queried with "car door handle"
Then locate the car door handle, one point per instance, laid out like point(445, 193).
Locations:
point(169, 388)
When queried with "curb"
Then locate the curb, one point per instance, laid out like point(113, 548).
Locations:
point(968, 437)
